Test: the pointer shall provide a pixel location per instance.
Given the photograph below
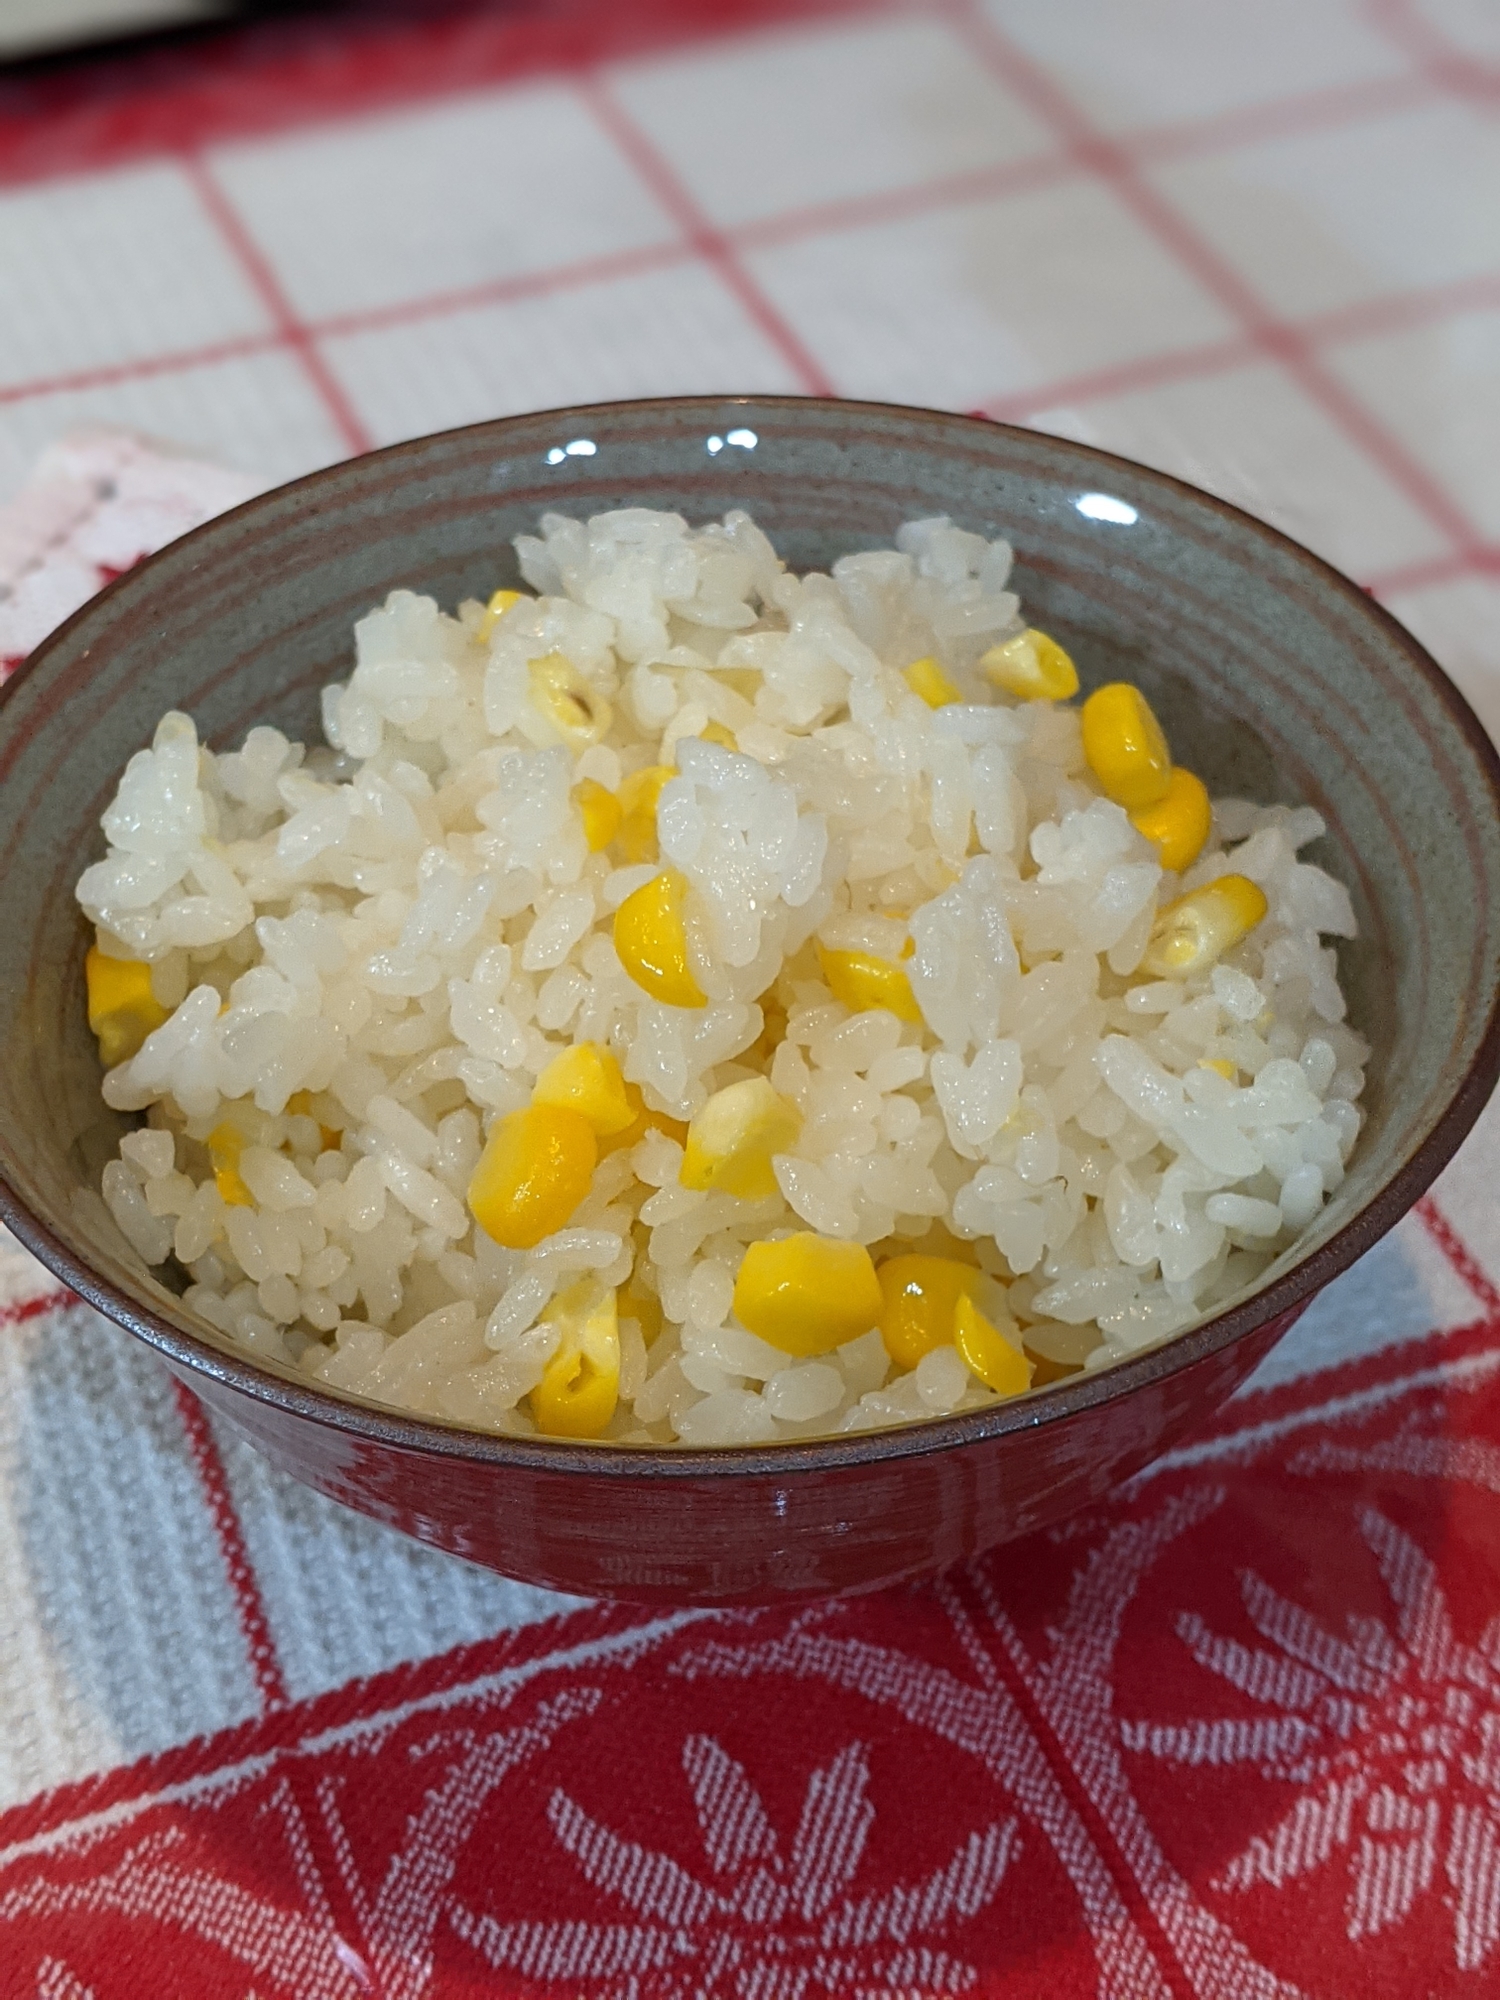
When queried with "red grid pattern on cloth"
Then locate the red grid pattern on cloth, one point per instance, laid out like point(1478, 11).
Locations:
point(1452, 67)
point(700, 238)
point(290, 331)
point(182, 120)
point(272, 78)
point(260, 1644)
point(1266, 333)
point(417, 64)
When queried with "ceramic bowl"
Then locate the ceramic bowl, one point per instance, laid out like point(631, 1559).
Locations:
point(1278, 679)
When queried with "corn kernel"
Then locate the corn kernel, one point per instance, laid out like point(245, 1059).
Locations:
point(937, 1240)
point(731, 1141)
point(579, 714)
point(642, 1120)
point(300, 1105)
point(920, 1295)
point(715, 732)
point(496, 609)
point(862, 981)
point(1125, 747)
point(999, 1363)
point(772, 1030)
point(1032, 667)
point(1220, 1065)
point(743, 681)
point(586, 1078)
point(638, 796)
point(580, 1387)
point(534, 1171)
point(600, 812)
point(225, 1144)
point(651, 940)
point(1201, 926)
point(640, 1303)
point(122, 1008)
point(1178, 823)
point(806, 1294)
point(1045, 1369)
point(927, 679)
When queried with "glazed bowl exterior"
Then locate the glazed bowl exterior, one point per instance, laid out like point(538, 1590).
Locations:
point(1278, 679)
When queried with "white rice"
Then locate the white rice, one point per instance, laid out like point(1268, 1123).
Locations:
point(408, 925)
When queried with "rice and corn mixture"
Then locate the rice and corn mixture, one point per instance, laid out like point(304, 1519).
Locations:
point(699, 1002)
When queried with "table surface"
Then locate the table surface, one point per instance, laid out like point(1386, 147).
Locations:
point(1237, 1734)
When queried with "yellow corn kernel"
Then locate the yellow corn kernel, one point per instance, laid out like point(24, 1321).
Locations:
point(600, 811)
point(580, 1387)
point(862, 981)
point(1201, 926)
point(534, 1171)
point(1125, 747)
point(731, 1141)
point(578, 713)
point(743, 681)
point(1045, 1369)
point(921, 1295)
point(715, 732)
point(1220, 1065)
point(1178, 823)
point(937, 1240)
point(638, 796)
point(122, 1008)
point(586, 1078)
point(806, 1294)
point(642, 1120)
point(999, 1363)
point(225, 1144)
point(496, 609)
point(1032, 667)
point(640, 1303)
point(772, 1031)
point(300, 1105)
point(926, 678)
point(651, 940)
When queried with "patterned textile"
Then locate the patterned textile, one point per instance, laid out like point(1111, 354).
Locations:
point(1237, 1733)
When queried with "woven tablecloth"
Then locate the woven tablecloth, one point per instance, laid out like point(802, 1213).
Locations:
point(1237, 1733)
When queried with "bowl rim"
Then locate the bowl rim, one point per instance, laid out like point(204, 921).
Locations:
point(434, 1437)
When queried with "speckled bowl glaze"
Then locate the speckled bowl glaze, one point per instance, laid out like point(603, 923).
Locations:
point(1278, 680)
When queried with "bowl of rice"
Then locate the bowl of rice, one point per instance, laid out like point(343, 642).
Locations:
point(709, 1001)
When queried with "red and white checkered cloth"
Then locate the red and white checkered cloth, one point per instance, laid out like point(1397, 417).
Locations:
point(1235, 1735)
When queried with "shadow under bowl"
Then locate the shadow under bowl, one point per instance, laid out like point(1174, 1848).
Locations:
point(1278, 679)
